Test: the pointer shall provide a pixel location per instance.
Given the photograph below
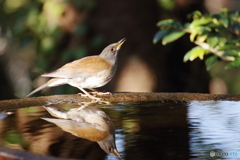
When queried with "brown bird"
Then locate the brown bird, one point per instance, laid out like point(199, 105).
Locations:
point(89, 72)
point(89, 123)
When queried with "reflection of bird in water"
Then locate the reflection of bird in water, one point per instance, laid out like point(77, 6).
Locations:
point(89, 123)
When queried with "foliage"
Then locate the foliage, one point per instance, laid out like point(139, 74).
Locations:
point(12, 137)
point(54, 29)
point(216, 35)
point(41, 23)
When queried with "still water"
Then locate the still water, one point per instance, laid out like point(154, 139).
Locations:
point(143, 131)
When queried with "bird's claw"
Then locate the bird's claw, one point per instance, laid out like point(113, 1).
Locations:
point(90, 96)
point(94, 100)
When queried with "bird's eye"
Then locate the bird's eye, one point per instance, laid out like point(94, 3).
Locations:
point(110, 150)
point(112, 49)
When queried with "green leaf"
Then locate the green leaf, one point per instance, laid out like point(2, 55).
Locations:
point(195, 15)
point(164, 22)
point(231, 53)
point(13, 137)
point(222, 41)
point(159, 35)
point(172, 36)
point(220, 19)
point(202, 38)
point(169, 24)
point(224, 11)
point(194, 53)
point(193, 35)
point(210, 61)
point(229, 47)
point(234, 64)
point(212, 41)
point(235, 40)
point(200, 22)
point(224, 21)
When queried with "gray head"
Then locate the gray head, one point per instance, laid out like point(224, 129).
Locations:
point(110, 52)
point(108, 145)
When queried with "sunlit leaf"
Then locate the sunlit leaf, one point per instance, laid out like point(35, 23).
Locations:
point(172, 36)
point(224, 11)
point(193, 35)
point(194, 53)
point(217, 31)
point(195, 15)
point(200, 22)
point(202, 38)
point(234, 64)
point(214, 26)
point(210, 61)
point(159, 35)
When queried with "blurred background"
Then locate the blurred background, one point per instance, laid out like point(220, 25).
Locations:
point(39, 36)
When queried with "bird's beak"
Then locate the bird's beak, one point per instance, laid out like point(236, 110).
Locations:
point(117, 154)
point(119, 44)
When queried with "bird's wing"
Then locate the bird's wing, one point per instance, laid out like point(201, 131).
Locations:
point(88, 131)
point(87, 65)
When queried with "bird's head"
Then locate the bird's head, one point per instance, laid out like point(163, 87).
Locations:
point(110, 52)
point(109, 146)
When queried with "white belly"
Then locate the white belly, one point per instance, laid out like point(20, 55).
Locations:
point(87, 81)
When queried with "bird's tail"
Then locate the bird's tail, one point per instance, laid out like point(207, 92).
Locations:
point(51, 83)
point(38, 89)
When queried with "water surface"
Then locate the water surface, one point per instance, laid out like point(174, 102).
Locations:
point(144, 131)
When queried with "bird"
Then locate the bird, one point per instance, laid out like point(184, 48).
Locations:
point(89, 72)
point(88, 122)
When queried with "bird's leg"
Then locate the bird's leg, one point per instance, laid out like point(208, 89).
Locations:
point(93, 89)
point(88, 95)
point(96, 92)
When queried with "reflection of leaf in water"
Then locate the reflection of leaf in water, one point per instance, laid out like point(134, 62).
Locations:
point(12, 138)
point(131, 125)
point(33, 111)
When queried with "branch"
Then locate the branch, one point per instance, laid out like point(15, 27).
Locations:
point(116, 97)
point(214, 51)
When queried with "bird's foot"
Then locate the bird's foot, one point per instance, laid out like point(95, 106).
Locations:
point(94, 100)
point(90, 96)
point(101, 93)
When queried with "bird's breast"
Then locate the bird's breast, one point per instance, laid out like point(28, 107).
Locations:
point(91, 134)
point(93, 80)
